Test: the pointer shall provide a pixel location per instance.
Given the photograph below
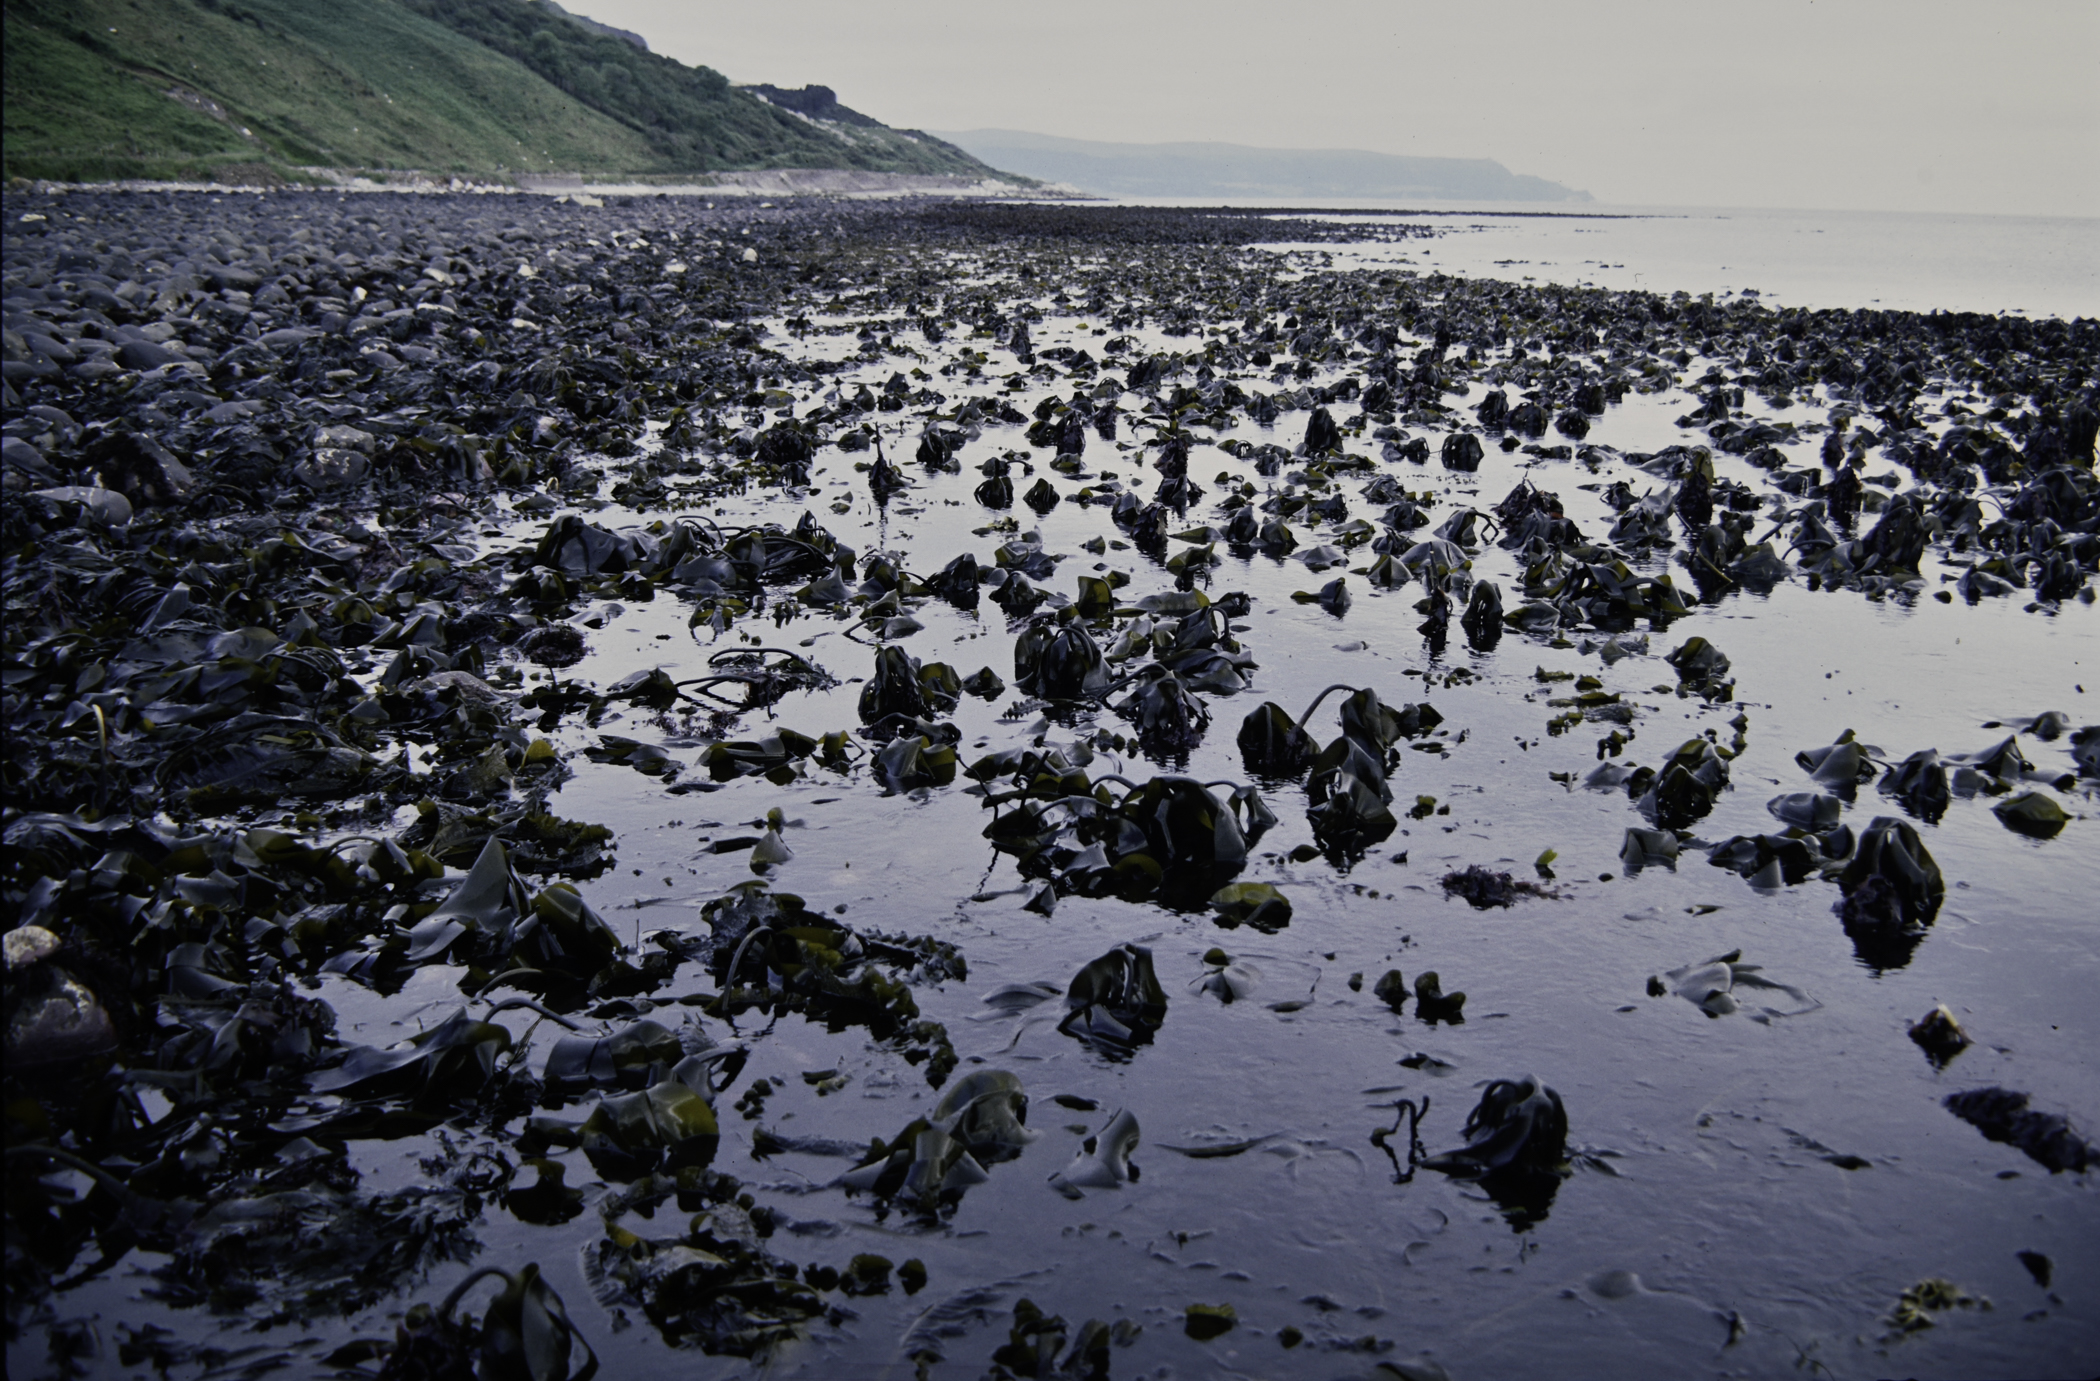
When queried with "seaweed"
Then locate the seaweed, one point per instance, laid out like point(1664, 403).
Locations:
point(1892, 893)
point(1516, 1149)
point(1115, 1002)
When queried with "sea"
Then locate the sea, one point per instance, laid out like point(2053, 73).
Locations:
point(2034, 266)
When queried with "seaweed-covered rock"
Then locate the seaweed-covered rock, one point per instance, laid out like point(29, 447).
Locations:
point(1168, 717)
point(493, 918)
point(980, 1121)
point(1057, 659)
point(714, 1288)
point(1919, 784)
point(1116, 1001)
point(1703, 668)
point(1351, 800)
point(1516, 1149)
point(1482, 619)
point(1272, 743)
point(2033, 814)
point(1808, 810)
point(1893, 891)
point(1782, 860)
point(1897, 539)
point(1169, 837)
point(1203, 1322)
point(1485, 888)
point(1686, 787)
point(1257, 905)
point(1940, 1036)
point(1433, 1004)
point(958, 581)
point(1910, 887)
point(1391, 989)
point(768, 949)
point(901, 685)
point(1462, 451)
point(1518, 1123)
point(1642, 848)
point(576, 547)
point(1842, 767)
point(910, 762)
point(1035, 1346)
point(666, 1124)
point(1322, 435)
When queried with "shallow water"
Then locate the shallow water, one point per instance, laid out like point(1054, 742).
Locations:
point(1704, 1232)
point(1722, 1201)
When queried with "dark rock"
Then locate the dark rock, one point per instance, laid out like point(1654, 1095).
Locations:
point(144, 354)
point(2003, 1115)
point(1322, 435)
point(1528, 418)
point(18, 455)
point(141, 469)
point(1940, 1036)
point(54, 1019)
point(553, 645)
point(1462, 451)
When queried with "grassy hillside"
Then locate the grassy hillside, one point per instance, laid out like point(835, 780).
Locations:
point(101, 89)
point(693, 119)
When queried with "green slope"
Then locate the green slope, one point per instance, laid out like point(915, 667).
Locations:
point(693, 119)
point(99, 89)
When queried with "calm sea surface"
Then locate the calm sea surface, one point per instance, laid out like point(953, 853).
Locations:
point(2034, 265)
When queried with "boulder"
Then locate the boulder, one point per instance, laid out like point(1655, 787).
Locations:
point(22, 458)
point(102, 505)
point(1462, 451)
point(331, 467)
point(144, 354)
point(141, 469)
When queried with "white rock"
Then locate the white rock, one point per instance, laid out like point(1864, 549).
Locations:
point(28, 945)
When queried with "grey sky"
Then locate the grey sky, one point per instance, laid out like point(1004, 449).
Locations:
point(1843, 104)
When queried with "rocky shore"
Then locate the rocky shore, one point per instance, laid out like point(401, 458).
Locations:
point(353, 544)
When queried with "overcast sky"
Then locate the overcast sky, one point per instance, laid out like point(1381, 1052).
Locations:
point(1841, 104)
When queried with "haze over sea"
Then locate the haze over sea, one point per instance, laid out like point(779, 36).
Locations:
point(2038, 266)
